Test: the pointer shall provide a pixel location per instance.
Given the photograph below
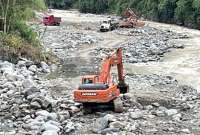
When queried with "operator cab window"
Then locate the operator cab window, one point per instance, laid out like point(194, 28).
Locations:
point(87, 81)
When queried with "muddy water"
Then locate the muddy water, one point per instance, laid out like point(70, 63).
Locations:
point(182, 64)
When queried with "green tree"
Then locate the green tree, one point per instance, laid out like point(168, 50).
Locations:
point(55, 3)
point(93, 6)
point(17, 10)
point(184, 12)
point(196, 6)
point(166, 10)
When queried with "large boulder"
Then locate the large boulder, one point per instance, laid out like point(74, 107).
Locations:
point(117, 124)
point(50, 126)
point(33, 68)
point(171, 112)
point(137, 114)
point(7, 67)
point(28, 83)
point(30, 91)
point(50, 132)
point(45, 67)
point(99, 125)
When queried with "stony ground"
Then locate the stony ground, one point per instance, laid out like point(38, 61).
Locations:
point(38, 100)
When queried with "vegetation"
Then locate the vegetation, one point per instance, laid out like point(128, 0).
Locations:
point(12, 47)
point(182, 12)
point(93, 6)
point(12, 11)
point(61, 4)
point(17, 39)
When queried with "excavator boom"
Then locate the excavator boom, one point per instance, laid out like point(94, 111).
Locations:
point(114, 59)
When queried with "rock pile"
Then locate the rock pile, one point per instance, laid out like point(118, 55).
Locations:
point(33, 105)
point(62, 42)
point(146, 44)
point(166, 85)
point(29, 104)
point(179, 117)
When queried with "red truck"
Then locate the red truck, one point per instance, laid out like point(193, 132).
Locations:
point(51, 20)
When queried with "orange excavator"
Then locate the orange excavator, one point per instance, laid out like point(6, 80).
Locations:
point(130, 20)
point(100, 89)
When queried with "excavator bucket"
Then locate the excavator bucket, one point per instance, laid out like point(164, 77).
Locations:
point(123, 88)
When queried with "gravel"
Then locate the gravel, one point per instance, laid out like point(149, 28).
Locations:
point(63, 42)
point(34, 105)
point(144, 45)
point(28, 105)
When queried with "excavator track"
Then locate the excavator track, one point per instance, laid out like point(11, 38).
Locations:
point(118, 105)
point(87, 109)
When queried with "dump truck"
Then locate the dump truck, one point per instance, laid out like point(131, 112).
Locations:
point(51, 20)
point(100, 90)
point(108, 25)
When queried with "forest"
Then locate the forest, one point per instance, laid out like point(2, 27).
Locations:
point(181, 12)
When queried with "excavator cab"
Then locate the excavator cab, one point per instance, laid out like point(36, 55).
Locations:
point(91, 82)
point(89, 79)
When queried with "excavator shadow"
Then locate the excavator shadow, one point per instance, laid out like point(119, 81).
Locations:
point(89, 108)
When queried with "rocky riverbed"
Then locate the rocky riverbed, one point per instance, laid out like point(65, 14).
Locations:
point(64, 43)
point(34, 103)
point(145, 44)
point(31, 104)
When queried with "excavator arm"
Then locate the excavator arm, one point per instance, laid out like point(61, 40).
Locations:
point(131, 19)
point(114, 60)
point(129, 13)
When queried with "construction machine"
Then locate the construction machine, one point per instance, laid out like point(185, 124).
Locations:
point(130, 20)
point(97, 90)
point(108, 25)
point(51, 20)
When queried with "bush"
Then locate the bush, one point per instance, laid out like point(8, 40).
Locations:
point(39, 4)
point(11, 40)
point(27, 33)
point(12, 47)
